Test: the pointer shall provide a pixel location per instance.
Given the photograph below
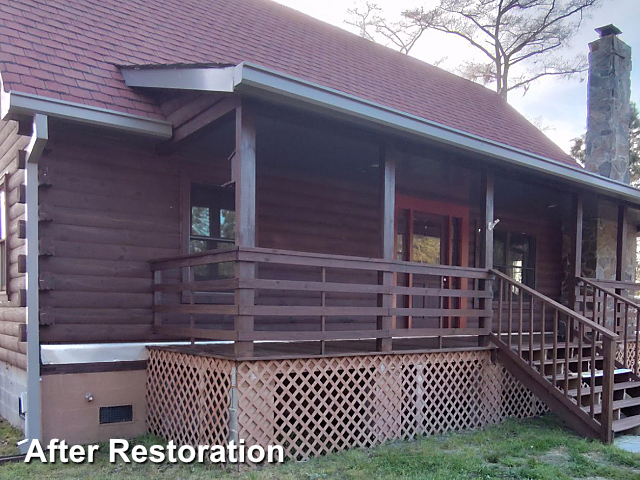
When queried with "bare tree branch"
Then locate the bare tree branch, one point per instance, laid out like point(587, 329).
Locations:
point(522, 39)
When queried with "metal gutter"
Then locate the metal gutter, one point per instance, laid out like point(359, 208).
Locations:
point(261, 82)
point(14, 104)
point(254, 79)
point(78, 353)
point(34, 150)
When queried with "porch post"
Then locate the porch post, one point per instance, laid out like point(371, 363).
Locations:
point(621, 247)
point(244, 176)
point(488, 183)
point(575, 267)
point(387, 232)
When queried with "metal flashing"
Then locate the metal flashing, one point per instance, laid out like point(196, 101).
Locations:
point(258, 81)
point(218, 79)
point(15, 104)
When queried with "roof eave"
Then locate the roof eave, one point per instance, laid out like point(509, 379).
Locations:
point(15, 104)
point(253, 78)
point(259, 81)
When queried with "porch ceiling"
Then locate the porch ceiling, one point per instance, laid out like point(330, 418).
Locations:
point(256, 81)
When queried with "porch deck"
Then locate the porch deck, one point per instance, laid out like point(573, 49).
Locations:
point(346, 348)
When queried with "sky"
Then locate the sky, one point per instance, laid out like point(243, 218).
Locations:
point(558, 106)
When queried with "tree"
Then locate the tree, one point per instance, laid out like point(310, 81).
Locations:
point(578, 147)
point(519, 41)
point(402, 34)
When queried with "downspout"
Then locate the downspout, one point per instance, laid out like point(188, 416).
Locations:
point(33, 427)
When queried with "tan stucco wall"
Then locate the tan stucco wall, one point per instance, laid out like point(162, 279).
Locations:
point(66, 414)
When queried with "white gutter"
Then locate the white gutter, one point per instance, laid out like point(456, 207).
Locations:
point(14, 104)
point(34, 150)
point(252, 78)
point(265, 83)
point(80, 353)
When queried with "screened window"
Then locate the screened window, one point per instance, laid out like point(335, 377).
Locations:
point(514, 254)
point(212, 226)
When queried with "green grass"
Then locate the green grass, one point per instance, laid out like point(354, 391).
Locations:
point(539, 448)
point(8, 438)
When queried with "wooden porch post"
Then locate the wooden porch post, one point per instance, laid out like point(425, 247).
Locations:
point(575, 267)
point(244, 176)
point(488, 181)
point(387, 232)
point(487, 219)
point(621, 247)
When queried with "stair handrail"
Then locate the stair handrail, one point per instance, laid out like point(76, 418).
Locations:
point(580, 333)
point(635, 365)
point(562, 308)
point(617, 296)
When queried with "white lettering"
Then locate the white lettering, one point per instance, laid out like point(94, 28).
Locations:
point(191, 454)
point(217, 454)
point(271, 449)
point(118, 446)
point(77, 454)
point(91, 454)
point(139, 454)
point(156, 453)
point(256, 458)
point(35, 450)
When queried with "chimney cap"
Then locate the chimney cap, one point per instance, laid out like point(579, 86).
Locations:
point(608, 30)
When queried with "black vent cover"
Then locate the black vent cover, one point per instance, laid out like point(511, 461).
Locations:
point(121, 413)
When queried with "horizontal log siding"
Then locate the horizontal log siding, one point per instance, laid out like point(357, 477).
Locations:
point(13, 313)
point(108, 207)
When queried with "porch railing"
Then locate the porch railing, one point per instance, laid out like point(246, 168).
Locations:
point(572, 355)
point(613, 311)
point(256, 294)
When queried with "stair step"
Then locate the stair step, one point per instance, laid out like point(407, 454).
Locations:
point(617, 405)
point(549, 345)
point(598, 388)
point(626, 423)
point(617, 371)
point(549, 361)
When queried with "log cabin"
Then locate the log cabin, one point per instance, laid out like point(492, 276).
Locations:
point(228, 221)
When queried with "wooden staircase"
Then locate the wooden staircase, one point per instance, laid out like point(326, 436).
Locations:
point(568, 360)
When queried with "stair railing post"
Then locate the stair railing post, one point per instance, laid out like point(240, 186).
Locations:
point(608, 372)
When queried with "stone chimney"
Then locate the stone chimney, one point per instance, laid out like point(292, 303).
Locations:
point(607, 142)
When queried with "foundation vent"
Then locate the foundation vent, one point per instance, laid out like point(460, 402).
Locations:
point(118, 414)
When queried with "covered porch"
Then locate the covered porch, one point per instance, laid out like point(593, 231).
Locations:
point(317, 237)
point(322, 260)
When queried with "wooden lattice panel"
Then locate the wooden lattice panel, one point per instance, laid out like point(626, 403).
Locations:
point(189, 397)
point(632, 355)
point(315, 406)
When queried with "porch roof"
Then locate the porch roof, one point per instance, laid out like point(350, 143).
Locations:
point(71, 51)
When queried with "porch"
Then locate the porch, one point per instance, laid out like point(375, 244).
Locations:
point(372, 293)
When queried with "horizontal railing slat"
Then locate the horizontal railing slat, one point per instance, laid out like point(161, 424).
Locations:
point(199, 333)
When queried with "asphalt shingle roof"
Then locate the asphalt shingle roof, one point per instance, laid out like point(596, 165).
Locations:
point(71, 49)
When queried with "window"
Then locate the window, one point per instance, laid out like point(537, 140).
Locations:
point(212, 226)
point(514, 254)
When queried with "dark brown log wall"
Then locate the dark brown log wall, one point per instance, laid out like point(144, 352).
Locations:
point(109, 206)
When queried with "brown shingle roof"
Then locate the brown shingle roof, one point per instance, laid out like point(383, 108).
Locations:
point(70, 49)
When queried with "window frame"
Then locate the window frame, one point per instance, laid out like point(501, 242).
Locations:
point(185, 208)
point(508, 267)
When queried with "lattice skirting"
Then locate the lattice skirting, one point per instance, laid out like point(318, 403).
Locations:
point(319, 405)
point(632, 355)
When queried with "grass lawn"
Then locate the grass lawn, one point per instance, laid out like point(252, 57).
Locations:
point(518, 449)
point(8, 438)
